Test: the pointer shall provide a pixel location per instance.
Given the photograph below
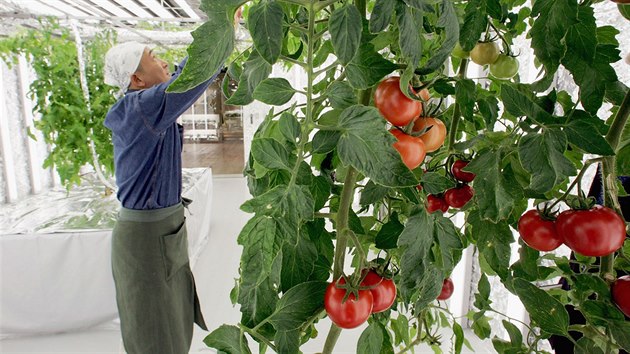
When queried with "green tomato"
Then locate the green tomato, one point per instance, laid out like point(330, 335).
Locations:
point(625, 10)
point(459, 52)
point(505, 67)
point(484, 53)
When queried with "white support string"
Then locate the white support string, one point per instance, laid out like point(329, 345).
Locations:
point(86, 94)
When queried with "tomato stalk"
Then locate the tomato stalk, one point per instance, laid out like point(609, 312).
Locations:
point(452, 135)
point(609, 177)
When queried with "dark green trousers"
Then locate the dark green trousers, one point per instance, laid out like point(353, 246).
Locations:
point(155, 289)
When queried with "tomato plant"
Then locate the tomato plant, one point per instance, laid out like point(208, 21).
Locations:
point(621, 294)
point(505, 67)
point(485, 53)
point(326, 143)
point(435, 133)
point(397, 108)
point(411, 148)
point(344, 308)
point(624, 10)
point(383, 291)
point(459, 196)
point(459, 174)
point(594, 232)
point(447, 289)
point(435, 203)
point(537, 232)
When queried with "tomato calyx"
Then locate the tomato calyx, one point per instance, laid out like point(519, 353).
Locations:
point(546, 212)
point(350, 287)
point(580, 202)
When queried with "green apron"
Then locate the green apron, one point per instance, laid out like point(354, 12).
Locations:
point(155, 289)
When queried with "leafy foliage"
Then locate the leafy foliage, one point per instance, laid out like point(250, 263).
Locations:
point(524, 143)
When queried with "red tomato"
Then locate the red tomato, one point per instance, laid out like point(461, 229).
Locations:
point(621, 294)
point(411, 148)
point(351, 313)
point(434, 137)
point(435, 203)
point(458, 197)
point(460, 175)
point(383, 291)
point(595, 232)
point(393, 104)
point(538, 233)
point(447, 289)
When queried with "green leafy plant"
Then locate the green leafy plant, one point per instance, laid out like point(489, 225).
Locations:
point(65, 120)
point(524, 142)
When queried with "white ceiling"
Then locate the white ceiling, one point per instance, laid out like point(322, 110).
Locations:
point(125, 10)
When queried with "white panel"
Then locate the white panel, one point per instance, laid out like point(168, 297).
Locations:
point(65, 8)
point(184, 6)
point(36, 7)
point(133, 7)
point(111, 7)
point(157, 8)
point(6, 151)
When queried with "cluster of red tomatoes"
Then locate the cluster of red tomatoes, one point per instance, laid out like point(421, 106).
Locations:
point(595, 232)
point(349, 308)
point(455, 197)
point(501, 66)
point(413, 141)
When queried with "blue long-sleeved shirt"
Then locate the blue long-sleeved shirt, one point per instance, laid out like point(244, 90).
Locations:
point(148, 144)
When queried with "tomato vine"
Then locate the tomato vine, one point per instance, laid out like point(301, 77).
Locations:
point(524, 142)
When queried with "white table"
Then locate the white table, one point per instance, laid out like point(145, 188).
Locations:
point(61, 281)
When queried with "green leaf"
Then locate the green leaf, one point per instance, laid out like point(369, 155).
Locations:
point(415, 242)
point(543, 309)
point(623, 161)
point(600, 313)
point(292, 203)
point(448, 20)
point(410, 22)
point(447, 236)
point(345, 32)
point(387, 236)
point(585, 345)
point(368, 67)
point(298, 304)
point(298, 262)
point(372, 193)
point(287, 341)
point(621, 332)
point(459, 337)
point(320, 190)
point(465, 97)
point(275, 91)
point(591, 68)
point(265, 25)
point(429, 287)
point(482, 297)
point(371, 340)
point(435, 183)
point(325, 141)
point(367, 146)
point(493, 241)
point(255, 70)
point(400, 326)
point(496, 191)
point(555, 17)
point(586, 284)
point(542, 155)
point(481, 326)
point(228, 339)
point(212, 44)
point(381, 15)
point(271, 154)
point(289, 126)
point(584, 134)
point(520, 103)
point(475, 23)
point(341, 95)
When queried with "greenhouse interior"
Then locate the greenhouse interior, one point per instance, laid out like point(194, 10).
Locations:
point(314, 176)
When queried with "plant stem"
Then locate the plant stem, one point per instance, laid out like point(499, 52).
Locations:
point(257, 336)
point(609, 176)
point(452, 135)
point(577, 180)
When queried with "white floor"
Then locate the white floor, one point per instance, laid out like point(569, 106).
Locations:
point(215, 272)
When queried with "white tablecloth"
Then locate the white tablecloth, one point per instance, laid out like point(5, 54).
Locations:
point(62, 281)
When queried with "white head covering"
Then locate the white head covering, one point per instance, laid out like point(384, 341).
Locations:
point(121, 61)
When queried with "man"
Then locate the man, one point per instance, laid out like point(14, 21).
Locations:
point(155, 288)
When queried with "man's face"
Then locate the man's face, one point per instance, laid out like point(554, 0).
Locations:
point(152, 71)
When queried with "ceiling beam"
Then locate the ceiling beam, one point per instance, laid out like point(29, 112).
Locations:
point(129, 5)
point(187, 9)
point(157, 8)
point(23, 15)
point(61, 6)
point(111, 7)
